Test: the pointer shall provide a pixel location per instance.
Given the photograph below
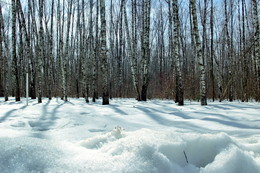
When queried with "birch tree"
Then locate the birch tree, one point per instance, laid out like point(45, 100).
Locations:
point(212, 49)
point(14, 55)
point(41, 52)
point(146, 47)
point(51, 57)
point(64, 61)
point(203, 98)
point(96, 54)
point(245, 60)
point(104, 70)
point(91, 44)
point(256, 43)
point(120, 51)
point(132, 46)
point(176, 51)
point(2, 59)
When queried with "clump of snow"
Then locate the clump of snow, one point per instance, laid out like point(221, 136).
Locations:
point(100, 140)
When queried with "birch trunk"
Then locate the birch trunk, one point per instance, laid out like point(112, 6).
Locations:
point(91, 47)
point(193, 47)
point(132, 56)
point(134, 50)
point(176, 51)
point(120, 53)
point(51, 51)
point(95, 59)
point(245, 60)
point(32, 62)
point(256, 43)
point(229, 58)
point(64, 60)
point(105, 100)
point(212, 49)
point(146, 48)
point(41, 52)
point(111, 43)
point(15, 61)
point(2, 59)
point(203, 98)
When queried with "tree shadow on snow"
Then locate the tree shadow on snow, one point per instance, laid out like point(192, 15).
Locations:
point(117, 110)
point(230, 123)
point(150, 112)
point(47, 119)
point(240, 106)
point(9, 113)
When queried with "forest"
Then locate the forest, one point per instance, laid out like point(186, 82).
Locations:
point(143, 49)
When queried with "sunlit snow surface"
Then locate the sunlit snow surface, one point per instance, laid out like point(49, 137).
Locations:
point(129, 136)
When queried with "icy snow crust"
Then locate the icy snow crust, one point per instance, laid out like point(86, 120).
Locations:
point(129, 136)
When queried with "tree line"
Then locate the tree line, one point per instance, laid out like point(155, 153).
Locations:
point(174, 49)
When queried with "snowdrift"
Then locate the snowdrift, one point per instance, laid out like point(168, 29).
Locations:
point(127, 136)
point(144, 151)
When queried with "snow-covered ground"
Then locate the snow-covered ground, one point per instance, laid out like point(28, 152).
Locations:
point(129, 136)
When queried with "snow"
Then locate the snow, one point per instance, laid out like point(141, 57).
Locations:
point(129, 136)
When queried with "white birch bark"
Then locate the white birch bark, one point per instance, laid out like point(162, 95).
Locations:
point(256, 43)
point(41, 49)
point(96, 53)
point(203, 98)
point(104, 70)
point(146, 48)
point(176, 52)
point(14, 55)
point(2, 59)
point(133, 59)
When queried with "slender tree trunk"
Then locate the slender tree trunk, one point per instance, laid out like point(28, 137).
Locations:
point(91, 44)
point(193, 48)
point(257, 45)
point(32, 62)
point(96, 54)
point(2, 59)
point(212, 49)
point(78, 62)
point(134, 56)
point(27, 38)
point(5, 60)
point(111, 43)
point(120, 53)
point(146, 48)
point(64, 60)
point(41, 52)
point(204, 34)
point(51, 58)
point(105, 100)
point(176, 51)
point(15, 60)
point(130, 47)
point(229, 58)
point(203, 98)
point(245, 61)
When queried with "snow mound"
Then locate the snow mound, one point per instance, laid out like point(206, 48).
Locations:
point(163, 151)
point(141, 151)
point(25, 154)
point(100, 140)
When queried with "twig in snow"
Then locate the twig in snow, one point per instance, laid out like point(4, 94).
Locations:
point(186, 157)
